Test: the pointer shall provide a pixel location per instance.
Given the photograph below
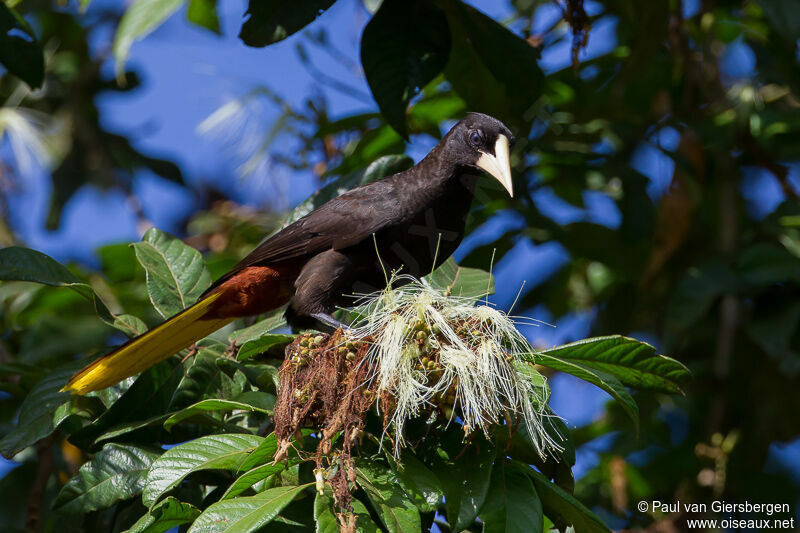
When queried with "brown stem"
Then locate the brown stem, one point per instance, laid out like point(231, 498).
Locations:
point(44, 455)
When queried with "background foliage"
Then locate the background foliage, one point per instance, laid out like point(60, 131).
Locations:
point(705, 263)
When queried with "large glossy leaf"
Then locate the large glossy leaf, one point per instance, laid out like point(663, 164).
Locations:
point(139, 20)
point(23, 264)
point(633, 362)
point(168, 514)
point(324, 515)
point(176, 272)
point(20, 52)
point(245, 514)
point(251, 477)
point(404, 46)
point(270, 21)
point(212, 405)
point(512, 503)
point(455, 280)
point(115, 473)
point(561, 506)
point(480, 74)
point(225, 452)
point(605, 381)
point(396, 511)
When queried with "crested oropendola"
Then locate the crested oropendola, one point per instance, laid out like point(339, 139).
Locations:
point(411, 221)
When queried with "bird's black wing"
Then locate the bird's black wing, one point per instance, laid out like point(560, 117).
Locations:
point(342, 222)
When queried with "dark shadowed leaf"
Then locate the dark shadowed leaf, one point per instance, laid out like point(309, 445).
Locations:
point(512, 504)
point(169, 513)
point(245, 514)
point(560, 506)
point(20, 52)
point(115, 473)
point(225, 452)
point(466, 484)
point(43, 410)
point(270, 21)
point(479, 72)
point(176, 272)
point(404, 46)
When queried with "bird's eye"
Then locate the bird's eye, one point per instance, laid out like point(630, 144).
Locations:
point(475, 138)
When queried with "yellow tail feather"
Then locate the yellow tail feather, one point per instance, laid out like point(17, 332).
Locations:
point(148, 349)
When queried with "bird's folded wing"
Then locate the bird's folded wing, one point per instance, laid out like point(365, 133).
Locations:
point(342, 222)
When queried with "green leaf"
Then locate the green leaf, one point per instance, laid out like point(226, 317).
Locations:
point(176, 272)
point(115, 473)
point(403, 48)
point(42, 411)
point(633, 362)
point(224, 452)
point(169, 513)
point(419, 482)
point(241, 515)
point(466, 484)
point(264, 452)
point(397, 513)
point(512, 504)
point(324, 515)
point(262, 344)
point(560, 505)
point(251, 477)
point(211, 405)
point(364, 522)
point(203, 13)
point(22, 56)
point(607, 382)
point(272, 322)
point(460, 281)
point(139, 20)
point(24, 264)
point(270, 21)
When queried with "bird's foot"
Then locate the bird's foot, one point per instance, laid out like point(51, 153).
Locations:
point(327, 324)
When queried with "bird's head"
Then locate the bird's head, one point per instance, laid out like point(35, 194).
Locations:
point(483, 143)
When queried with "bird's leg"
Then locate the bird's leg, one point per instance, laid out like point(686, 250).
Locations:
point(327, 324)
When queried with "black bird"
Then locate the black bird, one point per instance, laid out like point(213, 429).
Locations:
point(405, 222)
